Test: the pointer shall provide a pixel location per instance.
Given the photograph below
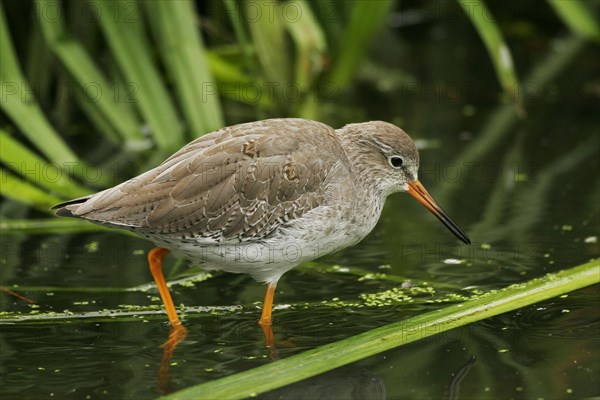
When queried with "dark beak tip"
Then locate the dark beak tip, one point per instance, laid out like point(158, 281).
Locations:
point(461, 235)
point(419, 192)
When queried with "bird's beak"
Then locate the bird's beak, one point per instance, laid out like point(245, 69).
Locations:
point(416, 190)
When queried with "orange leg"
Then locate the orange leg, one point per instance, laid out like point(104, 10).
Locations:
point(155, 259)
point(266, 321)
point(265, 318)
point(178, 331)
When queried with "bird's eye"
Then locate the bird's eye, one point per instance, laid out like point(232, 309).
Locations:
point(395, 161)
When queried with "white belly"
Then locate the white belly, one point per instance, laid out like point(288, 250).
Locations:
point(317, 233)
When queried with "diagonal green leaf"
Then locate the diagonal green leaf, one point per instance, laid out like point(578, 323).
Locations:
point(23, 161)
point(91, 81)
point(50, 225)
point(121, 22)
point(366, 19)
point(244, 43)
point(576, 15)
point(265, 23)
point(310, 44)
point(334, 355)
point(310, 47)
point(39, 63)
point(225, 71)
point(17, 101)
point(24, 192)
point(184, 56)
point(496, 47)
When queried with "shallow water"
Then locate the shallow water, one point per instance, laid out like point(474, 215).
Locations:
point(530, 205)
point(548, 350)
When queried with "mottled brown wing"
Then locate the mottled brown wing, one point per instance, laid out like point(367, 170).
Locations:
point(238, 183)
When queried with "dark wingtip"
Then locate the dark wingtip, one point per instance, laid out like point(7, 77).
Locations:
point(61, 210)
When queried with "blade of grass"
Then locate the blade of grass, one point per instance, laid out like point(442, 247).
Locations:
point(334, 355)
point(24, 192)
point(249, 60)
point(121, 22)
point(40, 62)
point(237, 85)
point(183, 54)
point(52, 225)
point(264, 19)
point(496, 47)
point(576, 15)
point(366, 18)
point(32, 167)
point(330, 16)
point(102, 124)
point(226, 71)
point(309, 42)
point(310, 47)
point(89, 78)
point(18, 103)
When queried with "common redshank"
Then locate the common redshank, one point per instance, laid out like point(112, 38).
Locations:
point(263, 197)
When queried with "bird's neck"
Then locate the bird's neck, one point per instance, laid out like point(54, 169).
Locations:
point(358, 159)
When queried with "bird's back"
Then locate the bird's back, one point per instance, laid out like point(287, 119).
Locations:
point(236, 184)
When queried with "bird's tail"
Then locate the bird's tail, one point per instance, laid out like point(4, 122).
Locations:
point(68, 208)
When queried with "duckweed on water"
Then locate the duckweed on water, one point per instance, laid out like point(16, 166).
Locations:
point(395, 295)
point(133, 307)
point(337, 268)
point(373, 276)
point(405, 293)
point(92, 247)
point(591, 239)
point(456, 297)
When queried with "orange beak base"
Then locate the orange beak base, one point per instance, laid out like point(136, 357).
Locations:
point(416, 190)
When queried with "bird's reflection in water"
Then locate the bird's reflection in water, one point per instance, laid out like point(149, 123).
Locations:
point(179, 334)
point(176, 336)
point(343, 383)
point(270, 341)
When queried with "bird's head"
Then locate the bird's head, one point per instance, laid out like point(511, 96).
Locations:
point(386, 158)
